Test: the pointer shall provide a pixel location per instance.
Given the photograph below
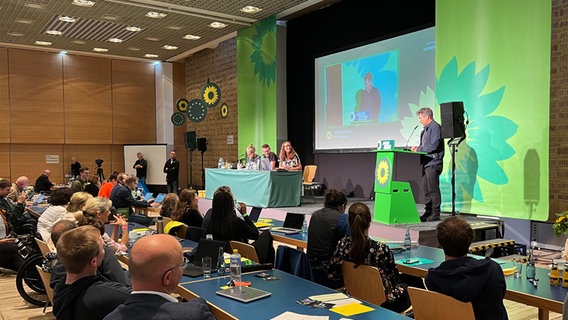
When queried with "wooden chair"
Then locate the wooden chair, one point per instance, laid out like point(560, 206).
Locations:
point(245, 250)
point(364, 282)
point(308, 179)
point(433, 305)
point(45, 276)
point(43, 247)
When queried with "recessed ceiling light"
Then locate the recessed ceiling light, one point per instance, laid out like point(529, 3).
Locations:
point(150, 55)
point(24, 21)
point(84, 3)
point(152, 39)
point(155, 15)
point(250, 9)
point(174, 28)
point(15, 34)
point(134, 49)
point(217, 25)
point(43, 43)
point(100, 50)
point(168, 47)
point(34, 5)
point(54, 32)
point(115, 40)
point(79, 42)
point(67, 19)
point(133, 29)
point(191, 37)
point(110, 17)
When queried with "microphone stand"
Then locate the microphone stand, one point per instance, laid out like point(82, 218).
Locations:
point(453, 143)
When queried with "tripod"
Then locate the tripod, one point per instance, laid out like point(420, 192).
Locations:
point(202, 172)
point(190, 164)
point(101, 174)
point(453, 144)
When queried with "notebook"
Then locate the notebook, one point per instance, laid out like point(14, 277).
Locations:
point(160, 197)
point(205, 248)
point(148, 196)
point(246, 294)
point(292, 223)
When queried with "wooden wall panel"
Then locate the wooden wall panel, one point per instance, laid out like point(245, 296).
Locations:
point(5, 161)
point(88, 100)
point(4, 100)
point(86, 155)
point(134, 102)
point(36, 97)
point(117, 158)
point(29, 160)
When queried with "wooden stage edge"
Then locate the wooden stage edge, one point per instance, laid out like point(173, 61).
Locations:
point(422, 233)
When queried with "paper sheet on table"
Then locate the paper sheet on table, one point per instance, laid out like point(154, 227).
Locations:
point(296, 316)
point(329, 296)
point(351, 309)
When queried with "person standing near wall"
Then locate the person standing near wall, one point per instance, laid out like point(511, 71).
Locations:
point(171, 169)
point(141, 166)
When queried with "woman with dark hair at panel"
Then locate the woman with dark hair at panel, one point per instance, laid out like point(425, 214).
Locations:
point(187, 209)
point(59, 200)
point(360, 249)
point(225, 225)
point(169, 205)
point(289, 159)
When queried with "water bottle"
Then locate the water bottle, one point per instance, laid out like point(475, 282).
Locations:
point(235, 268)
point(209, 236)
point(220, 163)
point(554, 274)
point(305, 226)
point(160, 224)
point(221, 263)
point(531, 268)
point(565, 276)
point(407, 240)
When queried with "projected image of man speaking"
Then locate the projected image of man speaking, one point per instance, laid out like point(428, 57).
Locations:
point(369, 105)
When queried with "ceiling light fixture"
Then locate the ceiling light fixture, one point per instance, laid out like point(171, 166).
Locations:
point(54, 32)
point(168, 47)
point(150, 55)
point(115, 40)
point(155, 15)
point(133, 29)
point(15, 34)
point(43, 43)
point(84, 3)
point(67, 19)
point(191, 37)
point(24, 21)
point(34, 5)
point(217, 25)
point(100, 50)
point(79, 42)
point(250, 9)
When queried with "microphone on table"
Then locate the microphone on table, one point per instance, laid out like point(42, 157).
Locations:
point(409, 137)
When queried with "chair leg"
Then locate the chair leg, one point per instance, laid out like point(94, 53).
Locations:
point(313, 195)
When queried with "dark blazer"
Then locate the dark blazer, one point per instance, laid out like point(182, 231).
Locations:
point(171, 169)
point(153, 307)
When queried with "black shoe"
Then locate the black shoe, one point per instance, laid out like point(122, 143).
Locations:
point(433, 218)
point(424, 217)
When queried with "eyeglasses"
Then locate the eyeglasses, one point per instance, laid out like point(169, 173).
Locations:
point(183, 265)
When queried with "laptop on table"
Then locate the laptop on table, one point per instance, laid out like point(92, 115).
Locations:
point(160, 197)
point(246, 294)
point(205, 248)
point(292, 223)
point(148, 196)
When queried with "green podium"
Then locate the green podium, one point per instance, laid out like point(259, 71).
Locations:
point(394, 201)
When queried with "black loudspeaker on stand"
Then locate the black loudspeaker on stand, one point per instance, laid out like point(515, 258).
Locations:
point(190, 145)
point(202, 146)
point(453, 127)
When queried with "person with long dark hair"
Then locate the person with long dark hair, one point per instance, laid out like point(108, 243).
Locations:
point(225, 225)
point(360, 249)
point(187, 210)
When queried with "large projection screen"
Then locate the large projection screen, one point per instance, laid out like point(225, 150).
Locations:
point(155, 154)
point(347, 116)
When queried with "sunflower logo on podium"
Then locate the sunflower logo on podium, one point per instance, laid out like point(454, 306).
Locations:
point(383, 172)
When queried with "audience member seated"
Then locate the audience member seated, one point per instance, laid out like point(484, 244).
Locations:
point(100, 208)
point(207, 216)
point(78, 185)
point(187, 209)
point(93, 185)
point(324, 231)
point(252, 158)
point(271, 156)
point(106, 187)
point(156, 266)
point(59, 200)
point(479, 281)
point(42, 183)
point(18, 187)
point(360, 249)
point(14, 213)
point(169, 204)
point(225, 225)
point(77, 203)
point(50, 260)
point(289, 159)
point(9, 256)
point(123, 198)
point(84, 294)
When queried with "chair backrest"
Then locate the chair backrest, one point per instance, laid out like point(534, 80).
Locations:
point(166, 220)
point(293, 261)
point(433, 305)
point(245, 250)
point(43, 247)
point(309, 173)
point(181, 231)
point(194, 233)
point(45, 277)
point(364, 282)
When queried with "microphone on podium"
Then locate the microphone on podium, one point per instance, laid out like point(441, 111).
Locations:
point(410, 136)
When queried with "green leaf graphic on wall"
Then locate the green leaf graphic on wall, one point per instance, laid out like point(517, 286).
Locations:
point(263, 56)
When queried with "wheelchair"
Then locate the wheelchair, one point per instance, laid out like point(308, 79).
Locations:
point(28, 281)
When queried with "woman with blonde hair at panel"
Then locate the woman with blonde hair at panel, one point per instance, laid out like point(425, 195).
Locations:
point(99, 208)
point(253, 159)
point(289, 159)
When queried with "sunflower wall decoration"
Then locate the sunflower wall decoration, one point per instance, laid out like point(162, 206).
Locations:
point(224, 110)
point(211, 94)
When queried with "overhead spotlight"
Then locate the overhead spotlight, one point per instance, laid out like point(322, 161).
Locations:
point(250, 9)
point(150, 55)
point(191, 37)
point(217, 25)
point(84, 3)
point(43, 43)
point(155, 15)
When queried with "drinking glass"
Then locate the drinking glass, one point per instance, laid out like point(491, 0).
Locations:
point(206, 264)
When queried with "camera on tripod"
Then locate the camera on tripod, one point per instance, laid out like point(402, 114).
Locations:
point(99, 162)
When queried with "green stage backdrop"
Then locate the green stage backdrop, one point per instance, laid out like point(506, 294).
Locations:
point(495, 57)
point(256, 81)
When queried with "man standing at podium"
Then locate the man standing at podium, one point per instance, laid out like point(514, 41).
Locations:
point(432, 144)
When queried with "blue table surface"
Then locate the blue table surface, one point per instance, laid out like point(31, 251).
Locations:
point(285, 292)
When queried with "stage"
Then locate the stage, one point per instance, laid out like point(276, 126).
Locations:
point(424, 233)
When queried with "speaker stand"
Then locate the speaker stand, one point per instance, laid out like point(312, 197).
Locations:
point(190, 164)
point(453, 144)
point(202, 172)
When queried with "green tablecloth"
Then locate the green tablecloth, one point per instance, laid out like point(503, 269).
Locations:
point(266, 189)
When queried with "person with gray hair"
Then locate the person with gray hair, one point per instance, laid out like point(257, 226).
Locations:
point(141, 166)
